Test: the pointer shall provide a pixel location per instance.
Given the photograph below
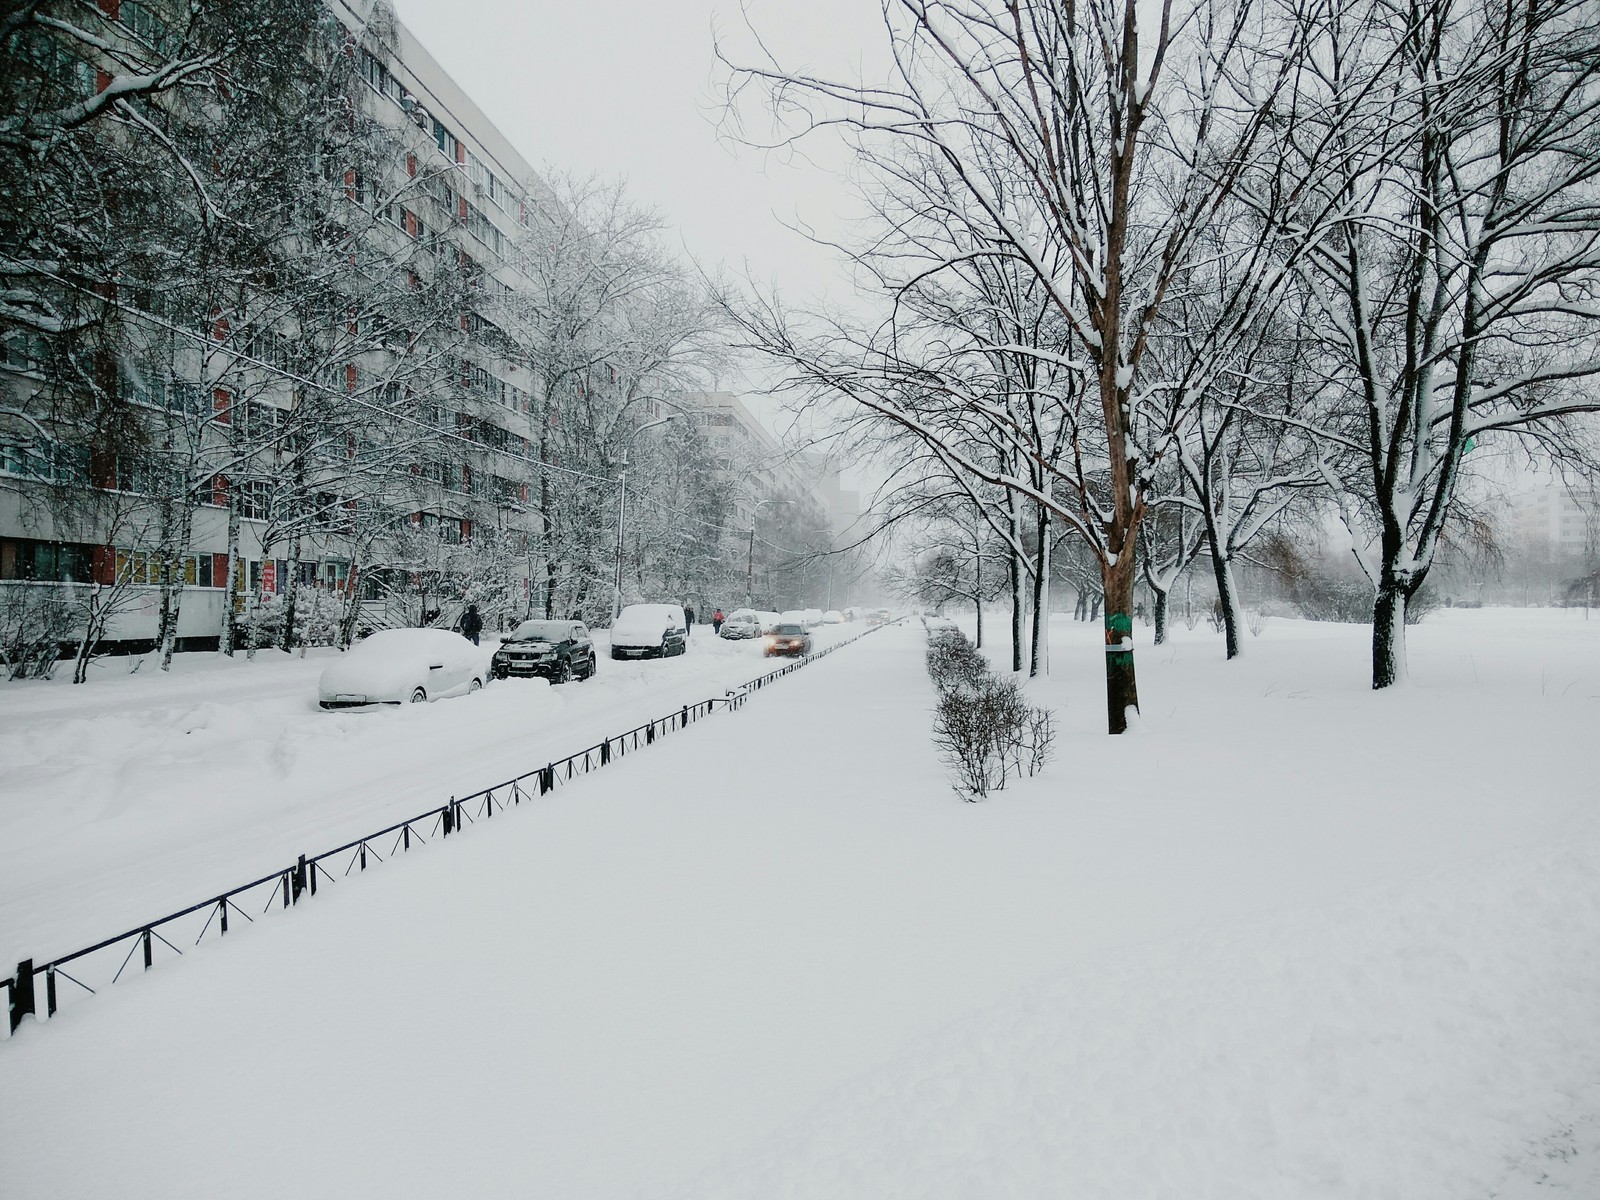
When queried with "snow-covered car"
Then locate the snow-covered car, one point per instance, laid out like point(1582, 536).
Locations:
point(877, 616)
point(769, 619)
point(793, 616)
point(813, 618)
point(833, 617)
point(741, 624)
point(788, 639)
point(643, 630)
point(556, 650)
point(403, 666)
point(936, 623)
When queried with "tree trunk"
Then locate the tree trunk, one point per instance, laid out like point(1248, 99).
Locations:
point(93, 628)
point(1161, 615)
point(1019, 603)
point(1227, 594)
point(1388, 634)
point(1122, 692)
point(1228, 597)
point(228, 635)
point(292, 582)
point(1039, 657)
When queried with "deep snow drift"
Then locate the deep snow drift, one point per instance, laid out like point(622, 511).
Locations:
point(1289, 939)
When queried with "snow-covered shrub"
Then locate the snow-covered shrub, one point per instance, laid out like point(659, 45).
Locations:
point(983, 728)
point(317, 615)
point(952, 660)
point(262, 622)
point(34, 622)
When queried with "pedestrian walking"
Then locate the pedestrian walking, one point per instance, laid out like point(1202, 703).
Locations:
point(688, 621)
point(471, 624)
point(716, 621)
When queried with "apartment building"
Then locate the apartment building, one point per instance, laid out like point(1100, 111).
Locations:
point(1557, 522)
point(455, 190)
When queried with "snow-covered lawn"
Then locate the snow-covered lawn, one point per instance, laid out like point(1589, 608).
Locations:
point(134, 795)
point(1289, 939)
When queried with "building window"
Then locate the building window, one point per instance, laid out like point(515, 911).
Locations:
point(46, 562)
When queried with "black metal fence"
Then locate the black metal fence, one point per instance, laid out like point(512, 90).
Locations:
point(287, 887)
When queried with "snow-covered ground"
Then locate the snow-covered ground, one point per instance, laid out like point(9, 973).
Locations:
point(1288, 939)
point(134, 795)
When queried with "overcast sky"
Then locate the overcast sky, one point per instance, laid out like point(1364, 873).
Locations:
point(626, 87)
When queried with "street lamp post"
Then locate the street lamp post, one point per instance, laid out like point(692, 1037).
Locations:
point(750, 554)
point(622, 505)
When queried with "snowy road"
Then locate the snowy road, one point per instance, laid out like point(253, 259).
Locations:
point(135, 795)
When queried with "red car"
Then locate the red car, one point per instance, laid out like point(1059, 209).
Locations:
point(792, 640)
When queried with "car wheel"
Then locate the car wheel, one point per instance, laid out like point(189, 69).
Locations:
point(420, 696)
point(589, 671)
point(475, 684)
point(562, 672)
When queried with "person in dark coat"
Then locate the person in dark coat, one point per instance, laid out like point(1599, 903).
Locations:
point(471, 624)
point(716, 621)
point(688, 620)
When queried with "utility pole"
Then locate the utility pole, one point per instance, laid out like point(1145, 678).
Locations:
point(622, 505)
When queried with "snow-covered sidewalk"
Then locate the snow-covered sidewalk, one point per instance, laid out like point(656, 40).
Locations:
point(136, 795)
point(1288, 940)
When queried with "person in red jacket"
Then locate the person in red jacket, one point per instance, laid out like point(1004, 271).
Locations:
point(716, 621)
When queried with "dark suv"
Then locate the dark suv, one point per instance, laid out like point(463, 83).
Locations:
point(556, 650)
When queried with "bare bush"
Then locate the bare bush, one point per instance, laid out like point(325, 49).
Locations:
point(34, 622)
point(984, 730)
point(1256, 619)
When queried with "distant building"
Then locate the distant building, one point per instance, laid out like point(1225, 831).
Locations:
point(1555, 522)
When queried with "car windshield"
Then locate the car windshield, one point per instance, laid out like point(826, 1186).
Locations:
point(540, 631)
point(791, 630)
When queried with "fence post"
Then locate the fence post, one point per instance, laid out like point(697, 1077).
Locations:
point(223, 913)
point(683, 721)
point(298, 880)
point(22, 993)
point(148, 959)
point(447, 815)
point(50, 991)
point(605, 752)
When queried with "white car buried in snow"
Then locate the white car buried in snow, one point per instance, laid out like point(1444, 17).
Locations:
point(403, 666)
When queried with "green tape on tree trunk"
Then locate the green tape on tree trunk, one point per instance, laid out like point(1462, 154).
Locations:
point(1119, 638)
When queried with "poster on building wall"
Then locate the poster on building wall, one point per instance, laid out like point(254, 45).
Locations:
point(269, 576)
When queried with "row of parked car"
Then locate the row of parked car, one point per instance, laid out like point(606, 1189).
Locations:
point(411, 666)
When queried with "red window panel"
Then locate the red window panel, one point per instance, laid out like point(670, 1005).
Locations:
point(219, 490)
point(466, 478)
point(222, 406)
point(350, 378)
point(112, 9)
point(349, 185)
point(103, 564)
point(523, 492)
point(461, 208)
point(219, 570)
point(269, 576)
point(466, 531)
point(411, 165)
point(102, 80)
point(103, 469)
point(461, 154)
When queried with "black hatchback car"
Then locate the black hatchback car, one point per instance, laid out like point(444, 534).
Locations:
point(555, 650)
